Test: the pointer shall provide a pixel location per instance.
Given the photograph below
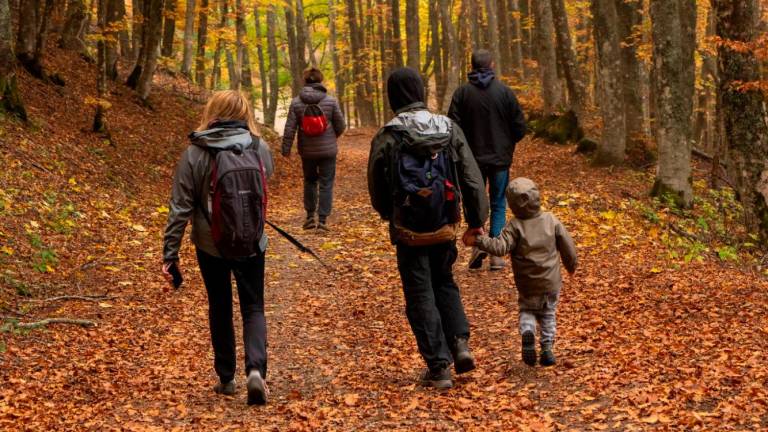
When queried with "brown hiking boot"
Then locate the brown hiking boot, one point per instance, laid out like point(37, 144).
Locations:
point(498, 263)
point(438, 378)
point(227, 389)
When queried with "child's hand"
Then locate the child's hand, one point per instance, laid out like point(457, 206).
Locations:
point(470, 236)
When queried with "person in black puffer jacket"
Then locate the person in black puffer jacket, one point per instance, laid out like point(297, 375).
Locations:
point(318, 153)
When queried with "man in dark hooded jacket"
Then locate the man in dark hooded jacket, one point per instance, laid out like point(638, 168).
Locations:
point(318, 153)
point(433, 301)
point(488, 112)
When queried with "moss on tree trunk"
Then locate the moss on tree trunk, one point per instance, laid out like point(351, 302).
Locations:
point(10, 100)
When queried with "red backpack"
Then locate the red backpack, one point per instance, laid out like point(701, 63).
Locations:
point(313, 122)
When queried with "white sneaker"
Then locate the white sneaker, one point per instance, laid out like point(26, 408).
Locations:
point(257, 389)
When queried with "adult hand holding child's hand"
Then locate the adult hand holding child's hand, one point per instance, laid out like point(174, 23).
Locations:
point(470, 236)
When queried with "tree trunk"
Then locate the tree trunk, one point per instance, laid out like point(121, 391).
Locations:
point(169, 28)
point(361, 68)
point(505, 38)
point(547, 57)
point(526, 34)
point(451, 46)
point(232, 71)
point(189, 31)
point(437, 58)
point(493, 35)
point(337, 74)
point(475, 17)
point(154, 29)
point(295, 53)
point(743, 110)
point(571, 69)
point(629, 24)
point(303, 38)
point(262, 63)
point(516, 36)
point(413, 47)
point(396, 43)
point(72, 34)
point(125, 39)
point(612, 147)
point(113, 20)
point(202, 36)
point(99, 118)
point(674, 41)
point(27, 36)
point(702, 124)
point(10, 99)
point(220, 46)
point(384, 42)
point(242, 61)
point(274, 89)
point(138, 28)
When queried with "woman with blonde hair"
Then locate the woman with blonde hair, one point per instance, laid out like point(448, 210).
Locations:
point(227, 231)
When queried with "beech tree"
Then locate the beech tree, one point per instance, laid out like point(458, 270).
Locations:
point(674, 41)
point(571, 69)
point(10, 99)
point(189, 31)
point(743, 107)
point(545, 46)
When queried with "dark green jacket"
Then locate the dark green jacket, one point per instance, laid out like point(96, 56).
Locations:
point(420, 127)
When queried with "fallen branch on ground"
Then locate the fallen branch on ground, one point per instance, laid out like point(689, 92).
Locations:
point(75, 297)
point(47, 321)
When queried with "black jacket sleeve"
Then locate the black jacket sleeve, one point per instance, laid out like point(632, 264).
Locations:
point(291, 126)
point(454, 110)
point(474, 198)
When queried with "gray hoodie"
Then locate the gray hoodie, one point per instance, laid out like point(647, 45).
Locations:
point(534, 239)
point(191, 186)
point(314, 147)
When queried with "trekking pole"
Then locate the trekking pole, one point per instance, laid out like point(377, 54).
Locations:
point(297, 243)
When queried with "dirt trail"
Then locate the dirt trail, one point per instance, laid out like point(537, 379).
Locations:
point(342, 356)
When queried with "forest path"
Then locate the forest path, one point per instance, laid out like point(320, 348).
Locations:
point(342, 356)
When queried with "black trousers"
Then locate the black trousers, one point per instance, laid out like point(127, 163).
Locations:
point(432, 300)
point(319, 175)
point(217, 276)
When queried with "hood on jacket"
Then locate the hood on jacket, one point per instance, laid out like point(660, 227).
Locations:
point(222, 135)
point(404, 88)
point(423, 132)
point(523, 198)
point(481, 77)
point(313, 93)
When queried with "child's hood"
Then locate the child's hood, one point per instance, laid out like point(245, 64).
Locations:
point(523, 198)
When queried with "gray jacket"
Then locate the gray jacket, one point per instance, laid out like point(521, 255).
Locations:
point(191, 186)
point(534, 239)
point(317, 147)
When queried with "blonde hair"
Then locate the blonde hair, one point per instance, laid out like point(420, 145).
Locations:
point(228, 105)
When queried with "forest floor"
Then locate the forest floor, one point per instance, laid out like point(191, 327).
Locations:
point(653, 334)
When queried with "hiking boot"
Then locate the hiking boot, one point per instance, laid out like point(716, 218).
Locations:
point(497, 263)
point(529, 348)
point(227, 389)
point(547, 357)
point(257, 389)
point(476, 260)
point(438, 378)
point(463, 360)
point(323, 226)
point(310, 223)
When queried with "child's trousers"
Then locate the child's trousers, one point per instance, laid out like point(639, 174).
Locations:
point(541, 309)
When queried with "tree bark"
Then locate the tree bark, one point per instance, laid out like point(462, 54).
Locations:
point(303, 38)
point(337, 75)
point(545, 46)
point(126, 50)
point(612, 146)
point(516, 40)
point(274, 90)
point(189, 31)
point(361, 68)
point(571, 69)
point(10, 98)
point(99, 118)
point(629, 24)
point(674, 41)
point(220, 46)
point(743, 109)
point(492, 35)
point(137, 35)
point(413, 47)
point(72, 33)
point(397, 38)
point(262, 63)
point(202, 36)
point(154, 28)
point(169, 28)
point(451, 49)
point(295, 54)
point(437, 58)
point(113, 18)
point(242, 62)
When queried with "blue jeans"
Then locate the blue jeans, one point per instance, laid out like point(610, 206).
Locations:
point(497, 180)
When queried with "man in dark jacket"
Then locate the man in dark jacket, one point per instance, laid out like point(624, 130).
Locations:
point(488, 112)
point(433, 301)
point(318, 153)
